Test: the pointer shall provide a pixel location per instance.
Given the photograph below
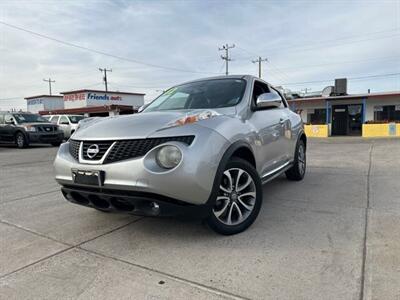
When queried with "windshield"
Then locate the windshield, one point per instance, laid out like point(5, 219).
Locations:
point(75, 119)
point(29, 118)
point(202, 94)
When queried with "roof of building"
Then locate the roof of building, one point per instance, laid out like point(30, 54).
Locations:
point(42, 96)
point(101, 91)
point(355, 96)
point(89, 109)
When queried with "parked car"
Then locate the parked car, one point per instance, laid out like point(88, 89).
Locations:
point(203, 148)
point(23, 129)
point(68, 123)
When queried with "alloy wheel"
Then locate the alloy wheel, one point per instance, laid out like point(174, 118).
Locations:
point(236, 197)
point(20, 140)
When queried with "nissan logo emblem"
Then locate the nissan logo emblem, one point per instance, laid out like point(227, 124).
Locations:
point(92, 150)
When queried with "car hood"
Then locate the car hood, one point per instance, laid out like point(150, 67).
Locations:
point(135, 126)
point(37, 124)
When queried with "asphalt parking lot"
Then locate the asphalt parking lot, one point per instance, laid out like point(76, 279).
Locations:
point(334, 236)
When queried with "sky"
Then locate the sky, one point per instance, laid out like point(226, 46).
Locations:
point(153, 45)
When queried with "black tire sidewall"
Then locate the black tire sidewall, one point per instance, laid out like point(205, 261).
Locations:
point(294, 173)
point(222, 228)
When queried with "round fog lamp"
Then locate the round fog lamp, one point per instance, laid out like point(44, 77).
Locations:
point(168, 157)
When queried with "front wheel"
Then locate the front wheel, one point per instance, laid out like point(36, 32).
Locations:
point(238, 200)
point(298, 170)
point(20, 140)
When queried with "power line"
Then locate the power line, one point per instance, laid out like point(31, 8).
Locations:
point(387, 58)
point(349, 78)
point(102, 52)
point(278, 74)
point(227, 59)
point(11, 98)
point(105, 76)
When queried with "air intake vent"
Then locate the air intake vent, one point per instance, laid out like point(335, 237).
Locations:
point(74, 148)
point(136, 148)
point(340, 87)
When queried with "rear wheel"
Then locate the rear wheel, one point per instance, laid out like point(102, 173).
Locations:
point(298, 170)
point(20, 140)
point(238, 200)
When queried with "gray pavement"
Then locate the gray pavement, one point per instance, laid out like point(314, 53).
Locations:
point(334, 235)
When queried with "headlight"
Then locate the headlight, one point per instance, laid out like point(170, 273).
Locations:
point(191, 118)
point(168, 157)
point(30, 128)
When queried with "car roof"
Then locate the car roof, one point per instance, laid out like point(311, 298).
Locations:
point(240, 76)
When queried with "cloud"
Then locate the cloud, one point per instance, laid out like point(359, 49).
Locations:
point(186, 35)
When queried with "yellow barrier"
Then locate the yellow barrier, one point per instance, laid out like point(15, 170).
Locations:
point(320, 131)
point(381, 130)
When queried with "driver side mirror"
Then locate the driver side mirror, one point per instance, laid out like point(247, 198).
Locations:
point(10, 121)
point(267, 100)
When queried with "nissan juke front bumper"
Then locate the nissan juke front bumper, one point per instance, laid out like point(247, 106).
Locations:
point(138, 185)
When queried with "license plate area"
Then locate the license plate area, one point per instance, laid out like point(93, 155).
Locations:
point(93, 178)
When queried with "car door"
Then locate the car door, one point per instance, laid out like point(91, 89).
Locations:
point(268, 125)
point(65, 126)
point(7, 129)
point(286, 142)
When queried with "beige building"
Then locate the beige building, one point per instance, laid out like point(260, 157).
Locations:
point(351, 114)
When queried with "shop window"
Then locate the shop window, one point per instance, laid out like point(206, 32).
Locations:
point(317, 116)
point(387, 113)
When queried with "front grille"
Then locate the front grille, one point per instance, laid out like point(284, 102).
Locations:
point(123, 149)
point(103, 147)
point(126, 149)
point(46, 128)
point(74, 148)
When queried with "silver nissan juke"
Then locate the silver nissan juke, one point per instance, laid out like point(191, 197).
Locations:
point(201, 149)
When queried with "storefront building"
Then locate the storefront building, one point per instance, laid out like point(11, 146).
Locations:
point(98, 103)
point(367, 115)
point(39, 103)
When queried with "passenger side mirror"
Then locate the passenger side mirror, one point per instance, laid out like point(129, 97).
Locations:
point(267, 100)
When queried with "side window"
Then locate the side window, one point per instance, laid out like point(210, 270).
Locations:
point(64, 120)
point(1, 119)
point(54, 119)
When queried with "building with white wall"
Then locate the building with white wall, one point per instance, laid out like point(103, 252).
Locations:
point(98, 103)
point(35, 104)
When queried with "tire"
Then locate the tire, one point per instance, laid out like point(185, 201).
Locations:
point(298, 170)
point(234, 209)
point(20, 140)
point(56, 144)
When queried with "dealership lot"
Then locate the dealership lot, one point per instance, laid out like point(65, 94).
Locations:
point(335, 236)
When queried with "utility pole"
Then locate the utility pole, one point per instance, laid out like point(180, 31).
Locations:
point(105, 76)
point(50, 82)
point(259, 60)
point(227, 59)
